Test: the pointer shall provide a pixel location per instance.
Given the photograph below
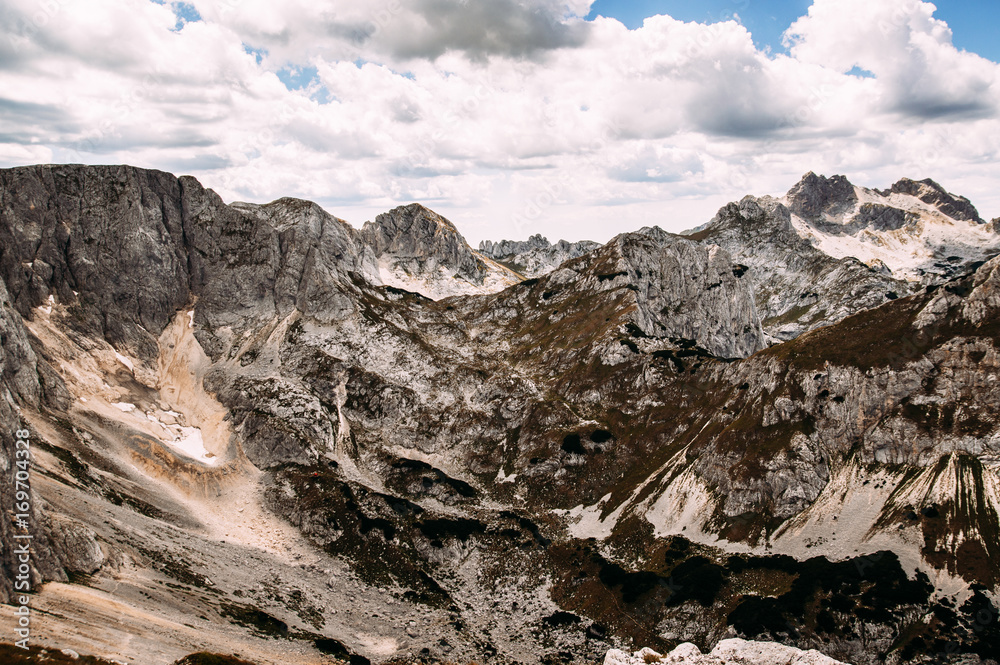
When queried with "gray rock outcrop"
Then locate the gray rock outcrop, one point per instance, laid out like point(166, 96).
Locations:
point(681, 290)
point(815, 197)
point(421, 250)
point(930, 192)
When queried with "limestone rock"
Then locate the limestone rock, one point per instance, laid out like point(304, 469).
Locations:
point(816, 197)
point(928, 191)
point(796, 286)
point(613, 430)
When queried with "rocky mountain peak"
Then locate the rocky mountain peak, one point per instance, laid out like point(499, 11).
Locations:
point(419, 250)
point(505, 248)
point(796, 286)
point(413, 230)
point(828, 248)
point(815, 196)
point(930, 192)
point(227, 410)
point(756, 215)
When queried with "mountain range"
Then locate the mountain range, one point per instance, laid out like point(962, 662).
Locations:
point(261, 432)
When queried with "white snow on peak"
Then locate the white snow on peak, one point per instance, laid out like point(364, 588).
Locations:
point(910, 251)
point(47, 309)
point(744, 652)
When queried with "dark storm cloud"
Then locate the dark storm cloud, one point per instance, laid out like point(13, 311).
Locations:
point(479, 28)
point(947, 110)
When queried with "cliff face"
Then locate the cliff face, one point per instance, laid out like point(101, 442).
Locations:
point(235, 403)
point(681, 290)
point(26, 381)
point(113, 235)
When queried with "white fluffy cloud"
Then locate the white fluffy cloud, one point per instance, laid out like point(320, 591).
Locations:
point(510, 116)
point(910, 52)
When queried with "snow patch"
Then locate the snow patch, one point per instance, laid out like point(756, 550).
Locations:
point(586, 522)
point(181, 438)
point(911, 251)
point(191, 444)
point(47, 309)
point(682, 507)
point(125, 361)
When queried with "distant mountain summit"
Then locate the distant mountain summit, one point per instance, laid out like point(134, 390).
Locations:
point(419, 250)
point(916, 229)
point(535, 256)
point(828, 248)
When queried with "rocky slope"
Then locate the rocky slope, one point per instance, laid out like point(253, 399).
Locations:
point(261, 448)
point(536, 255)
point(917, 230)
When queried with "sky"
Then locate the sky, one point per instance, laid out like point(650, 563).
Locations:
point(571, 118)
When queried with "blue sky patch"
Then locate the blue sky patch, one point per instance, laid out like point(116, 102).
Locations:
point(863, 73)
point(257, 53)
point(973, 22)
point(297, 78)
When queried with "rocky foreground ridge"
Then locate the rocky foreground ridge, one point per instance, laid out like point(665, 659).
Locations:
point(248, 438)
point(727, 651)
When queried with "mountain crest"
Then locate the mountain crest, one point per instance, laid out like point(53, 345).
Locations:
point(536, 255)
point(930, 192)
point(815, 196)
point(682, 290)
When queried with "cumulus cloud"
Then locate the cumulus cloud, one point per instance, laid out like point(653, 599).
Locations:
point(510, 116)
point(922, 74)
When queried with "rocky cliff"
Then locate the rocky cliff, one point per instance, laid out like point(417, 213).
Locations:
point(796, 286)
